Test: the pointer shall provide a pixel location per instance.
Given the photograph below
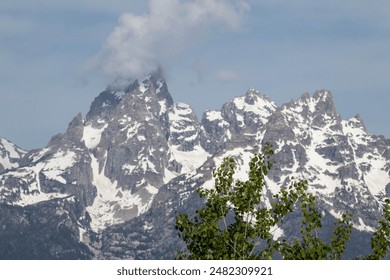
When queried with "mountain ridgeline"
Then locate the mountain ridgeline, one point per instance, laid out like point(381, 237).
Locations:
point(110, 186)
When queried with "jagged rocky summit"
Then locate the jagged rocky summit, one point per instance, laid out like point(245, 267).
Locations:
point(110, 185)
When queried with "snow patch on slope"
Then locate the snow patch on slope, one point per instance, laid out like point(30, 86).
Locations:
point(377, 179)
point(92, 136)
point(29, 176)
point(7, 164)
point(362, 226)
point(190, 160)
point(8, 153)
point(57, 165)
point(33, 193)
point(112, 204)
point(11, 149)
point(37, 197)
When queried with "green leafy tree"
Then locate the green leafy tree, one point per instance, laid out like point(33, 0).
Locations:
point(235, 222)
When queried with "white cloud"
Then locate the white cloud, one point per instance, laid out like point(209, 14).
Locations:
point(139, 43)
point(227, 75)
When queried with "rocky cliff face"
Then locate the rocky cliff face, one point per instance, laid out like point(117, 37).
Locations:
point(116, 178)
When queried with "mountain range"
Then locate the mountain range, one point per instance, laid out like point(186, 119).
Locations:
point(109, 187)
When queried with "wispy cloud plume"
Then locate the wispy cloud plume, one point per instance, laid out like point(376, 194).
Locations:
point(141, 43)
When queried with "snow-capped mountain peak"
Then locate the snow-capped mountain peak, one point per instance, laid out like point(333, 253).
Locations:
point(254, 102)
point(116, 178)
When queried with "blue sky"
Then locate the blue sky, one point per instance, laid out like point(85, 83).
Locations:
point(56, 56)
